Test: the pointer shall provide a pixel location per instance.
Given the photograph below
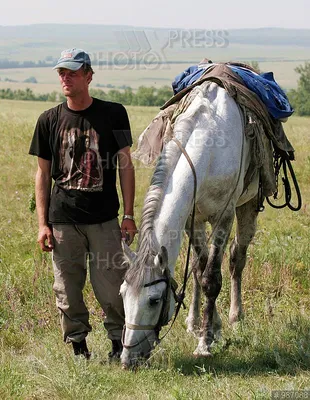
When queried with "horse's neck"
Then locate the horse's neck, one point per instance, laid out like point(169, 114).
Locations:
point(177, 199)
point(172, 214)
point(170, 218)
point(169, 222)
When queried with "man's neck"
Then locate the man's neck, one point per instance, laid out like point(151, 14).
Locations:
point(79, 104)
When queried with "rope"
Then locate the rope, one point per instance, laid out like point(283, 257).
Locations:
point(281, 160)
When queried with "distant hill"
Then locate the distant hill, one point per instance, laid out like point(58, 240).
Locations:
point(45, 41)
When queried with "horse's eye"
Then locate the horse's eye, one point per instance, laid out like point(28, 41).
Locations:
point(153, 301)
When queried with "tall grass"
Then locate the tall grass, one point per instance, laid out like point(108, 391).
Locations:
point(268, 351)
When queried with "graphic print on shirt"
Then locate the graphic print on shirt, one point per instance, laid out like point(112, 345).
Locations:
point(80, 160)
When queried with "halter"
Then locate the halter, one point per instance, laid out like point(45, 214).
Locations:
point(163, 317)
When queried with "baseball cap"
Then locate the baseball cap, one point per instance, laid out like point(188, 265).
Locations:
point(73, 59)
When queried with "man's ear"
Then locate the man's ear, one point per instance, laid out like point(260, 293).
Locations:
point(89, 77)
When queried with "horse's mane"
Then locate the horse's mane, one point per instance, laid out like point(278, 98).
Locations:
point(148, 247)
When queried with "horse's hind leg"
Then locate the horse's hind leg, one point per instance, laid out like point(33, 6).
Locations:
point(199, 241)
point(211, 281)
point(246, 227)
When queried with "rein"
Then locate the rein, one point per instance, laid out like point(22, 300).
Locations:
point(282, 160)
point(181, 295)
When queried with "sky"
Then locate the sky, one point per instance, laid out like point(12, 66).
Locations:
point(206, 14)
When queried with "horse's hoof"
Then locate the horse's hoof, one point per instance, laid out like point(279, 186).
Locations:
point(132, 368)
point(202, 351)
point(205, 354)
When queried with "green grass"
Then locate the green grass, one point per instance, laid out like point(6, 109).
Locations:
point(269, 350)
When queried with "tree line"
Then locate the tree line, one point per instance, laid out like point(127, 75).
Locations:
point(151, 96)
point(144, 96)
point(300, 97)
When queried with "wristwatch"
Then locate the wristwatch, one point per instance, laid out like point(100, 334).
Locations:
point(127, 216)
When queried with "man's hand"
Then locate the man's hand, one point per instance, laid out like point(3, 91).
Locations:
point(128, 229)
point(45, 238)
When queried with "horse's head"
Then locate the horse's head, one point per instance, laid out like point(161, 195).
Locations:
point(148, 305)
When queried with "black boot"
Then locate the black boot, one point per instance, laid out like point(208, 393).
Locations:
point(80, 348)
point(117, 349)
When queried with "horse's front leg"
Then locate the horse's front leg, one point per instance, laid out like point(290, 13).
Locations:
point(193, 320)
point(193, 317)
point(200, 261)
point(211, 284)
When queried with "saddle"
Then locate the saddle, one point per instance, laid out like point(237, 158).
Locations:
point(267, 134)
point(233, 84)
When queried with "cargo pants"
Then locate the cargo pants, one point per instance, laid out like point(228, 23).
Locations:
point(99, 247)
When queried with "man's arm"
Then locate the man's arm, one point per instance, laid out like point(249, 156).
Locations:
point(43, 192)
point(127, 181)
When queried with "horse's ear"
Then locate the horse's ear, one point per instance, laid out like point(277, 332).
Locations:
point(128, 253)
point(164, 256)
point(161, 259)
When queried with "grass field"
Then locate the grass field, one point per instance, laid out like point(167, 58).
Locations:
point(268, 351)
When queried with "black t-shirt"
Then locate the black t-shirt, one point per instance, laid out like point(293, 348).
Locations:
point(82, 146)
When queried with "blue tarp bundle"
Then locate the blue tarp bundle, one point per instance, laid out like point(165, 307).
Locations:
point(186, 78)
point(267, 90)
point(263, 85)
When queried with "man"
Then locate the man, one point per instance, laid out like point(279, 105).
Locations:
point(78, 144)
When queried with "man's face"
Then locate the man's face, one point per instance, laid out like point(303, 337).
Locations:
point(74, 83)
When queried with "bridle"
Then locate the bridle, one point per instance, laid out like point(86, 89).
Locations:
point(163, 319)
